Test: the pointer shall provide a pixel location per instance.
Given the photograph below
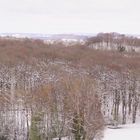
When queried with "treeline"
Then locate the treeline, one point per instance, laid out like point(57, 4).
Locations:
point(114, 41)
point(53, 91)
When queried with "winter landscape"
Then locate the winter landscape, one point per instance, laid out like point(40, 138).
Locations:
point(69, 70)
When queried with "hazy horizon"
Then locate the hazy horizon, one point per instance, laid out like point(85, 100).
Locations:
point(69, 16)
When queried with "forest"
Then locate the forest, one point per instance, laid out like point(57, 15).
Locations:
point(53, 91)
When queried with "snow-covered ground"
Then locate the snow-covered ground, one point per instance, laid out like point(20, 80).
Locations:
point(127, 132)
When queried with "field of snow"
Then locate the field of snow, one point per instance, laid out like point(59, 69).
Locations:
point(127, 132)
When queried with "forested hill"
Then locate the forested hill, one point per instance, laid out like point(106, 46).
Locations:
point(115, 41)
point(52, 91)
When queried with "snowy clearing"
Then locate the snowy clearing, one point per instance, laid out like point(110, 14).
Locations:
point(127, 132)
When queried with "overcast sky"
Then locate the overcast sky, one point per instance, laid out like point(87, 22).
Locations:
point(70, 16)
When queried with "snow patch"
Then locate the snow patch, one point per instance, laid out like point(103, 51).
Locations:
point(126, 132)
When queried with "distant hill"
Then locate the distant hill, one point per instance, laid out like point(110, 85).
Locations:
point(45, 36)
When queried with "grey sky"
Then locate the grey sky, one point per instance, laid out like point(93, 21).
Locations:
point(70, 16)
